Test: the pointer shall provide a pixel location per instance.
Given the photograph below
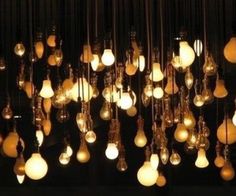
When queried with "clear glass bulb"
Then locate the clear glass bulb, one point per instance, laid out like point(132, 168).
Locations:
point(175, 158)
point(188, 78)
point(81, 120)
point(198, 47)
point(141, 63)
point(156, 75)
point(164, 155)
point(69, 150)
point(181, 133)
point(58, 55)
point(83, 154)
point(209, 67)
point(198, 100)
point(121, 164)
point(90, 136)
point(19, 49)
point(125, 101)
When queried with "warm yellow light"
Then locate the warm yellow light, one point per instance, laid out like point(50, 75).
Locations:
point(171, 86)
point(121, 164)
point(181, 133)
point(140, 139)
point(69, 150)
point(198, 46)
point(198, 100)
point(148, 90)
point(201, 161)
point(189, 120)
point(29, 88)
point(19, 49)
point(209, 67)
point(36, 167)
point(7, 112)
point(90, 136)
point(10, 143)
point(112, 151)
point(227, 172)
point(234, 118)
point(47, 105)
point(141, 63)
point(51, 60)
point(87, 55)
point(156, 75)
point(108, 57)
point(175, 158)
point(105, 112)
point(186, 54)
point(132, 111)
point(125, 101)
point(51, 41)
point(46, 91)
point(220, 90)
point(231, 132)
point(110, 93)
point(47, 126)
point(188, 78)
point(19, 167)
point(130, 68)
point(164, 155)
point(39, 136)
point(230, 50)
point(81, 119)
point(161, 180)
point(64, 158)
point(39, 49)
point(147, 175)
point(83, 154)
point(58, 56)
point(219, 161)
point(154, 159)
point(158, 92)
point(95, 62)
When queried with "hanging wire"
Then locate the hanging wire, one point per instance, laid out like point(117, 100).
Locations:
point(148, 32)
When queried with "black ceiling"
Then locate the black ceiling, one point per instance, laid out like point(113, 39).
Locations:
point(69, 16)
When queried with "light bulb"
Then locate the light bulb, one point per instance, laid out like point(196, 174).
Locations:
point(62, 115)
point(46, 91)
point(19, 167)
point(148, 90)
point(231, 132)
point(7, 112)
point(227, 172)
point(39, 136)
point(189, 120)
point(95, 92)
point(51, 40)
point(47, 126)
point(112, 151)
point(51, 60)
point(219, 161)
point(108, 57)
point(158, 92)
point(36, 167)
point(39, 49)
point(209, 67)
point(110, 93)
point(164, 155)
point(207, 95)
point(20, 178)
point(145, 99)
point(171, 86)
point(198, 46)
point(201, 161)
point(47, 105)
point(29, 89)
point(234, 118)
point(19, 49)
point(130, 68)
point(81, 119)
point(198, 100)
point(121, 164)
point(69, 150)
point(154, 159)
point(181, 133)
point(147, 175)
point(161, 180)
point(220, 90)
point(125, 101)
point(2, 64)
point(10, 143)
point(141, 63)
point(90, 136)
point(67, 86)
point(188, 78)
point(192, 138)
point(87, 55)
point(140, 139)
point(132, 111)
point(106, 111)
point(58, 56)
point(230, 50)
point(156, 75)
point(186, 54)
point(64, 158)
point(175, 158)
point(96, 63)
point(83, 154)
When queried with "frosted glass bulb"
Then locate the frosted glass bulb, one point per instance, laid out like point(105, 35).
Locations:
point(106, 111)
point(108, 57)
point(19, 49)
point(69, 150)
point(51, 41)
point(186, 54)
point(140, 139)
point(230, 50)
point(87, 55)
point(175, 158)
point(36, 167)
point(141, 63)
point(198, 100)
point(231, 132)
point(234, 118)
point(39, 136)
point(64, 158)
point(147, 175)
point(181, 133)
point(112, 151)
point(154, 159)
point(46, 91)
point(90, 136)
point(83, 154)
point(198, 46)
point(219, 161)
point(220, 90)
point(188, 79)
point(227, 172)
point(158, 92)
point(156, 75)
point(125, 101)
point(161, 180)
point(20, 178)
point(201, 161)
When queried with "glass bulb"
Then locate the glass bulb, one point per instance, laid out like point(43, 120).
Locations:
point(207, 95)
point(140, 139)
point(141, 63)
point(7, 112)
point(154, 159)
point(83, 154)
point(39, 49)
point(201, 161)
point(230, 50)
point(158, 92)
point(198, 46)
point(58, 56)
point(110, 93)
point(20, 178)
point(69, 150)
point(95, 92)
point(46, 91)
point(95, 62)
point(188, 78)
point(145, 99)
point(130, 68)
point(29, 89)
point(164, 155)
point(234, 118)
point(189, 120)
point(161, 180)
point(220, 90)
point(106, 111)
point(2, 64)
point(64, 158)
point(156, 75)
point(198, 100)
point(186, 54)
point(219, 161)
point(121, 164)
point(192, 138)
point(181, 133)
point(81, 120)
point(51, 60)
point(60, 98)
point(209, 67)
point(47, 126)
point(112, 151)
point(231, 132)
point(125, 101)
point(108, 57)
point(227, 172)
point(171, 86)
point(62, 115)
point(90, 136)
point(39, 136)
point(19, 49)
point(148, 90)
point(51, 40)
point(147, 175)
point(175, 158)
point(19, 167)
point(132, 111)
point(36, 167)
point(87, 55)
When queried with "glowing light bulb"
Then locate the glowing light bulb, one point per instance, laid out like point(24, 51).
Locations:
point(219, 161)
point(47, 126)
point(58, 56)
point(198, 100)
point(112, 151)
point(220, 90)
point(39, 136)
point(147, 175)
point(47, 105)
point(20, 178)
point(164, 155)
point(19, 169)
point(201, 161)
point(231, 132)
point(36, 167)
point(158, 92)
point(198, 46)
point(106, 111)
point(234, 118)
point(207, 95)
point(171, 86)
point(96, 63)
point(90, 136)
point(51, 60)
point(2, 64)
point(227, 172)
point(39, 49)
point(141, 63)
point(87, 55)
point(140, 139)
point(51, 40)
point(130, 68)
point(154, 159)
point(156, 75)
point(188, 78)
point(81, 119)
point(175, 158)
point(108, 57)
point(125, 101)
point(209, 67)
point(132, 111)
point(19, 49)
point(161, 180)
point(46, 91)
point(7, 112)
point(186, 54)
point(230, 50)
point(110, 93)
point(29, 89)
point(83, 154)
point(121, 164)
point(69, 150)
point(64, 158)
point(181, 133)
point(189, 120)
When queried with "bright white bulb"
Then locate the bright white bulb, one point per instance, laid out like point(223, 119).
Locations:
point(39, 136)
point(234, 118)
point(69, 150)
point(141, 63)
point(64, 159)
point(112, 151)
point(126, 101)
point(154, 159)
point(20, 178)
point(158, 92)
point(108, 57)
point(201, 161)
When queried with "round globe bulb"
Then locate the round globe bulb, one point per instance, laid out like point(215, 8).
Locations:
point(112, 151)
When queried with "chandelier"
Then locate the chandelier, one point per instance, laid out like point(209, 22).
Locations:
point(141, 61)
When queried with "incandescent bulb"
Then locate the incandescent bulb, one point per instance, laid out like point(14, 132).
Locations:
point(132, 111)
point(19, 49)
point(209, 67)
point(171, 86)
point(121, 164)
point(108, 57)
point(81, 119)
point(46, 91)
point(106, 111)
point(64, 158)
point(198, 46)
point(175, 158)
point(220, 90)
point(112, 151)
point(227, 172)
point(125, 101)
point(141, 63)
point(230, 50)
point(83, 154)
point(47, 126)
point(154, 159)
point(87, 55)
point(164, 155)
point(231, 132)
point(189, 120)
point(140, 139)
point(156, 75)
point(161, 180)
point(19, 167)
point(219, 161)
point(62, 115)
point(2, 64)
point(158, 92)
point(39, 49)
point(90, 136)
point(39, 136)
point(186, 54)
point(188, 78)
point(29, 89)
point(51, 60)
point(20, 178)
point(51, 40)
point(69, 150)
point(7, 112)
point(201, 161)
point(198, 100)
point(181, 133)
